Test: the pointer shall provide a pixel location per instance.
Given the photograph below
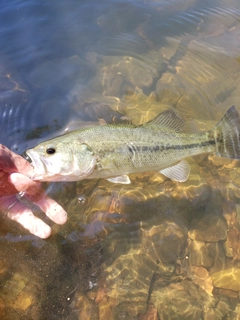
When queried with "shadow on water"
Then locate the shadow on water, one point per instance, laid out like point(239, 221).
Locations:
point(155, 249)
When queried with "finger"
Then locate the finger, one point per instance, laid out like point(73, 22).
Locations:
point(18, 212)
point(23, 183)
point(35, 193)
point(6, 188)
point(12, 162)
point(52, 209)
point(26, 218)
point(22, 165)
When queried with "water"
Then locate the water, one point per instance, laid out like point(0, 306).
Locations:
point(155, 249)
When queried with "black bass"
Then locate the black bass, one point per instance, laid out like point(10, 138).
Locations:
point(114, 151)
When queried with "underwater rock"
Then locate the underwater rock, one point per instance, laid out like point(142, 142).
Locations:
point(216, 252)
point(2, 308)
point(133, 273)
point(92, 106)
point(127, 286)
point(201, 277)
point(112, 309)
point(88, 309)
point(128, 281)
point(177, 301)
point(18, 292)
point(219, 33)
point(151, 314)
point(227, 279)
point(120, 76)
point(223, 162)
point(3, 269)
point(209, 227)
point(233, 242)
point(188, 69)
point(199, 255)
point(236, 312)
point(106, 308)
point(237, 218)
point(220, 310)
point(136, 104)
point(168, 241)
point(81, 95)
point(195, 189)
point(125, 75)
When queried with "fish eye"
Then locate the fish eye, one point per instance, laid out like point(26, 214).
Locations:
point(50, 150)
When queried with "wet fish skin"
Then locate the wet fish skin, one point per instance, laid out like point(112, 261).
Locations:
point(111, 151)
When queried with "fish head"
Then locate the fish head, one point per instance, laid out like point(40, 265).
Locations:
point(61, 159)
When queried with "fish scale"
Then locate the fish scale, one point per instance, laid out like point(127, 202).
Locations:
point(114, 151)
point(149, 149)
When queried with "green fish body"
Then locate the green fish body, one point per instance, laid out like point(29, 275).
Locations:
point(114, 151)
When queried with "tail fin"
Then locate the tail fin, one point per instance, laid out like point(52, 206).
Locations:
point(226, 134)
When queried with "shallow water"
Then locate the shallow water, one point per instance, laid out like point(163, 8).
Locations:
point(155, 249)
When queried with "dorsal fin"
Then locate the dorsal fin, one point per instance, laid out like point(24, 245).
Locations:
point(168, 119)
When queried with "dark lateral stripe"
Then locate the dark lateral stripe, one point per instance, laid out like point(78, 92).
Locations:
point(133, 149)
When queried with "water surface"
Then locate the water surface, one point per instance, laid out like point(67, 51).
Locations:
point(155, 249)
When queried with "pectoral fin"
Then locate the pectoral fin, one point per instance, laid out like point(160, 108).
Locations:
point(178, 172)
point(124, 179)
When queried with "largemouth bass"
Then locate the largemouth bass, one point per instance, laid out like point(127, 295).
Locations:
point(114, 151)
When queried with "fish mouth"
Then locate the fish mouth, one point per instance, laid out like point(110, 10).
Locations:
point(40, 171)
point(42, 168)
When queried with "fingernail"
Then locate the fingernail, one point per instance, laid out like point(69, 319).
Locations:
point(57, 214)
point(43, 232)
point(61, 217)
point(14, 179)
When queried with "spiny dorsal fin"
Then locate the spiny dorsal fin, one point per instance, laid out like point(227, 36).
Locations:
point(168, 119)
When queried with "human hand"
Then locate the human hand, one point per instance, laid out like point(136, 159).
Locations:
point(13, 179)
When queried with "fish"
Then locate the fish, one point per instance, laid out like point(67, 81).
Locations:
point(113, 152)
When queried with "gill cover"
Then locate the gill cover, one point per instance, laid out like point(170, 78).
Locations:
point(70, 161)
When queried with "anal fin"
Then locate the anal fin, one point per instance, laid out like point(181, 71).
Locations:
point(178, 172)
